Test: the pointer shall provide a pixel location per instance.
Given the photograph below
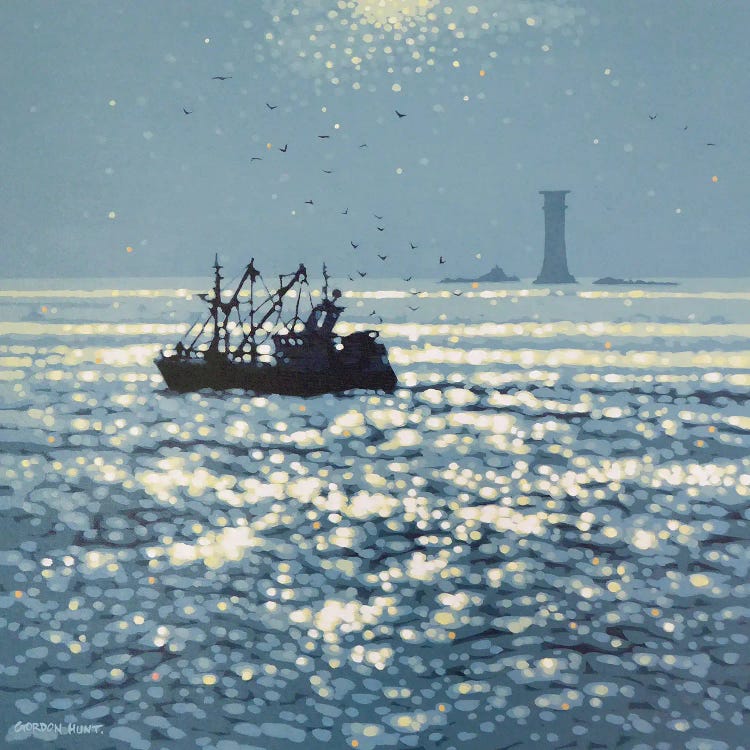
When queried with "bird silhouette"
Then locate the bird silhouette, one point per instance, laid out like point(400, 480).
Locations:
point(407, 278)
point(400, 114)
point(362, 273)
point(327, 171)
point(256, 158)
point(186, 112)
point(324, 136)
point(442, 260)
point(353, 245)
point(413, 246)
point(413, 309)
point(373, 313)
point(283, 150)
point(363, 145)
point(220, 78)
point(380, 320)
point(710, 144)
point(345, 211)
point(685, 128)
point(309, 202)
point(652, 117)
point(382, 257)
point(379, 218)
point(271, 107)
point(381, 229)
point(457, 294)
point(350, 278)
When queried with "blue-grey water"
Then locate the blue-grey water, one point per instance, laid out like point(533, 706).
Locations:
point(539, 540)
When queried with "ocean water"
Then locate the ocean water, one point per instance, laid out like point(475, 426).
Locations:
point(539, 540)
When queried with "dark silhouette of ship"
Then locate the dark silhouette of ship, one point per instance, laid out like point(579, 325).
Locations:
point(262, 346)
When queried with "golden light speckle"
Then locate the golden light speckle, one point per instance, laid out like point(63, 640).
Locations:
point(151, 579)
point(712, 429)
point(573, 625)
point(396, 87)
point(355, 743)
point(482, 73)
point(565, 706)
point(18, 594)
point(44, 308)
point(531, 21)
point(451, 635)
point(607, 344)
point(595, 561)
point(699, 443)
point(655, 612)
point(209, 679)
point(316, 525)
point(715, 178)
point(50, 439)
point(269, 146)
point(129, 249)
point(474, 285)
point(155, 676)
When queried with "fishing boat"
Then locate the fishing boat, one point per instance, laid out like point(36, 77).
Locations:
point(257, 340)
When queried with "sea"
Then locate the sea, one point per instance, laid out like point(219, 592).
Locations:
point(539, 540)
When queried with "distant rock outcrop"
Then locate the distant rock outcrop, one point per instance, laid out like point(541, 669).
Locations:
point(611, 281)
point(496, 274)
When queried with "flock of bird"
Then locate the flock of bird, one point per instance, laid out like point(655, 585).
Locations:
point(310, 202)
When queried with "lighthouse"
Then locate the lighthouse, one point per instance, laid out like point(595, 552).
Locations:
point(555, 265)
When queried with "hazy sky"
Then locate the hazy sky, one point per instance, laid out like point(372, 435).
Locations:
point(502, 98)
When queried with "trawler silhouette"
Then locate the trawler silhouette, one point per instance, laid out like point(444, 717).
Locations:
point(303, 358)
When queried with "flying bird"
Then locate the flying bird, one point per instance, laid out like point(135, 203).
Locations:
point(186, 112)
point(345, 211)
point(457, 294)
point(283, 150)
point(710, 144)
point(377, 217)
point(408, 278)
point(350, 278)
point(413, 309)
point(220, 78)
point(271, 107)
point(381, 229)
point(400, 114)
point(327, 171)
point(652, 117)
point(685, 128)
point(382, 257)
point(362, 273)
point(363, 145)
point(413, 246)
point(256, 158)
point(309, 202)
point(324, 136)
point(442, 260)
point(373, 313)
point(353, 245)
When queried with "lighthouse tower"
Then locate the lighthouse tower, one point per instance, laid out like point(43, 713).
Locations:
point(555, 266)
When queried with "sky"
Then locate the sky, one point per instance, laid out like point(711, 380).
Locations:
point(103, 174)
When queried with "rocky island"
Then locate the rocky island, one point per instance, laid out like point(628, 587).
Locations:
point(611, 281)
point(494, 275)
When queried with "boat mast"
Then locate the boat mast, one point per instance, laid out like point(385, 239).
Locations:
point(215, 305)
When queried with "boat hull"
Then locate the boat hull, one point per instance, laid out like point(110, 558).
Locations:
point(194, 374)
